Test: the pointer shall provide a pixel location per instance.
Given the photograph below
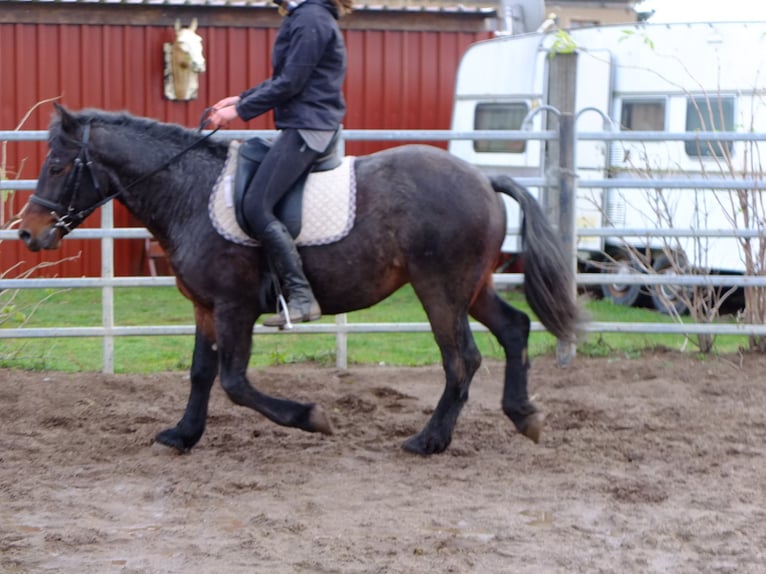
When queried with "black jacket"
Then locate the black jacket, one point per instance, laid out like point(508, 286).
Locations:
point(309, 66)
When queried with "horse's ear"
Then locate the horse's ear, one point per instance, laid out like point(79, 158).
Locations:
point(178, 25)
point(68, 121)
point(193, 25)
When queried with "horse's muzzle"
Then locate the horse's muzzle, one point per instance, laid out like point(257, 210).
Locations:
point(47, 238)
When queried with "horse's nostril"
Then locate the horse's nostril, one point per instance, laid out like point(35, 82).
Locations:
point(25, 235)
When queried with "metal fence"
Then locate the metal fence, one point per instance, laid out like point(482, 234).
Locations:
point(107, 233)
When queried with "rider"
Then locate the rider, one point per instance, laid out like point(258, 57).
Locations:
point(309, 67)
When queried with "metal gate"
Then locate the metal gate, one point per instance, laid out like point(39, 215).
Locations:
point(563, 173)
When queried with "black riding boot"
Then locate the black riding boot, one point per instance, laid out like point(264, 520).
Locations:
point(280, 248)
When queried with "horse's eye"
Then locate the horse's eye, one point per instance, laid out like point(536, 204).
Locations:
point(55, 165)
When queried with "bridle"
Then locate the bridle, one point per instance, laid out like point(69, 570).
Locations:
point(67, 216)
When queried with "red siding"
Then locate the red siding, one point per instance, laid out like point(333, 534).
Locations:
point(396, 80)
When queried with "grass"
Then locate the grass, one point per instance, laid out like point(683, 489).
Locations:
point(165, 306)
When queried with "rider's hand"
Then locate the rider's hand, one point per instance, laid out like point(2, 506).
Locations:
point(220, 117)
point(226, 102)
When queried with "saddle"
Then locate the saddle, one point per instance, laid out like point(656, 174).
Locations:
point(289, 209)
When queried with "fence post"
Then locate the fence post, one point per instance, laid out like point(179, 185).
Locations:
point(561, 207)
point(341, 341)
point(341, 337)
point(567, 205)
point(562, 90)
point(107, 292)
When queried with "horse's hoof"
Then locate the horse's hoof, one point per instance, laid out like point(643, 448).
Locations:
point(171, 438)
point(413, 445)
point(319, 421)
point(160, 449)
point(418, 445)
point(533, 426)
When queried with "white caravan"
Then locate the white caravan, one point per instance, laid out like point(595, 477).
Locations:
point(645, 77)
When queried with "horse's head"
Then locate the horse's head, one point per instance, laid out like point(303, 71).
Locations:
point(187, 48)
point(69, 188)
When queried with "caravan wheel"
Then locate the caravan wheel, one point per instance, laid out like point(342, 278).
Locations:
point(669, 299)
point(620, 293)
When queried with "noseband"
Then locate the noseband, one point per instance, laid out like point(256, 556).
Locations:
point(67, 217)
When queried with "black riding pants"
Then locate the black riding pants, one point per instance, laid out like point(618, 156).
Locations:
point(288, 159)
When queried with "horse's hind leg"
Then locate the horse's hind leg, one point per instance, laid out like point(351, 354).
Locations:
point(461, 359)
point(204, 369)
point(511, 327)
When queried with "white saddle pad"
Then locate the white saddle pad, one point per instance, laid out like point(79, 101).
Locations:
point(329, 204)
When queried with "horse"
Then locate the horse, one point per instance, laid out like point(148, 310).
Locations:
point(187, 60)
point(423, 216)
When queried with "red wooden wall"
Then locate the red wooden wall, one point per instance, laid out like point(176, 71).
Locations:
point(397, 79)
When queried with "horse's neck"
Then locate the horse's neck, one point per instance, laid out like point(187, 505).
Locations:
point(166, 197)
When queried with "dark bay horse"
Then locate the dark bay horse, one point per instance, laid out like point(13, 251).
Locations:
point(423, 217)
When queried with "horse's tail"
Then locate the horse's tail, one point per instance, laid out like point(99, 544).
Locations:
point(548, 275)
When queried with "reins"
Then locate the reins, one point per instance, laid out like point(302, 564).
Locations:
point(202, 123)
point(67, 218)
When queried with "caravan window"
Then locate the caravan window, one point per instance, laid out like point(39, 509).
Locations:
point(708, 114)
point(500, 117)
point(643, 115)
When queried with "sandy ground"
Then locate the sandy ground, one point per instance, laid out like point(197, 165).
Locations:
point(649, 465)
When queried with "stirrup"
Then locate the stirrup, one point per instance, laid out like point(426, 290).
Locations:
point(283, 320)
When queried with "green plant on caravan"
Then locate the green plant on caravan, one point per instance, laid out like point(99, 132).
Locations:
point(563, 43)
point(11, 312)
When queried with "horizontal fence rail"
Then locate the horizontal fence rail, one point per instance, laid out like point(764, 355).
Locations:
point(359, 328)
point(342, 328)
point(499, 279)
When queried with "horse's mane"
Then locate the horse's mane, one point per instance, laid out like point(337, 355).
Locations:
point(144, 128)
point(189, 163)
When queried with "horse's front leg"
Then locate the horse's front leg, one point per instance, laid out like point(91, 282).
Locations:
point(204, 369)
point(234, 331)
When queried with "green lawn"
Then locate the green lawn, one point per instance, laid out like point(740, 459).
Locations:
point(165, 306)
